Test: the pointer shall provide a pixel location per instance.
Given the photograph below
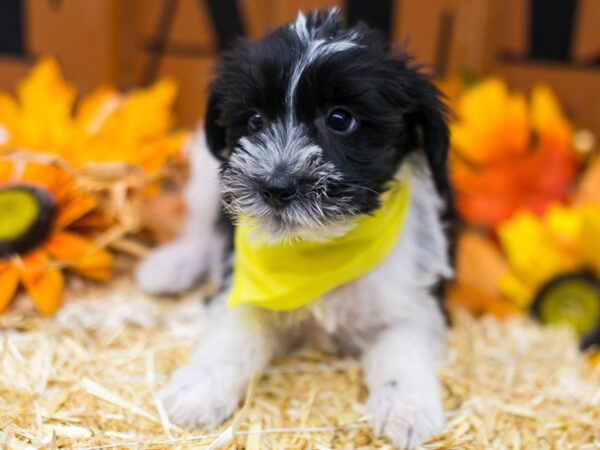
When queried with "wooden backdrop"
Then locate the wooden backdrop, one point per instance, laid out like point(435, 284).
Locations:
point(130, 42)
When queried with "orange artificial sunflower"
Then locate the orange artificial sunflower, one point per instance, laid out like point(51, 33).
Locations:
point(41, 207)
point(509, 154)
point(502, 277)
point(104, 127)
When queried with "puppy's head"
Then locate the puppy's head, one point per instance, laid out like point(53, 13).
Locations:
point(313, 121)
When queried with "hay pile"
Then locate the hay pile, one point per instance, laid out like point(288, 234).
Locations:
point(88, 378)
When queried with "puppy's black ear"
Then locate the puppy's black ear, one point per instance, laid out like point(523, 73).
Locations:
point(430, 116)
point(215, 133)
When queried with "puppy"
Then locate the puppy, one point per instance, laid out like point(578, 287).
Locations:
point(311, 127)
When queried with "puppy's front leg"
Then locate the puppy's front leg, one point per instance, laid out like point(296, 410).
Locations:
point(210, 386)
point(400, 370)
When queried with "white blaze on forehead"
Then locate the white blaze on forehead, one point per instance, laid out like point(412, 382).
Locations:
point(315, 48)
point(299, 26)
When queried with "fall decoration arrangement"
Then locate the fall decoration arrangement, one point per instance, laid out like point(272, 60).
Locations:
point(530, 206)
point(105, 127)
point(509, 154)
point(43, 212)
point(73, 176)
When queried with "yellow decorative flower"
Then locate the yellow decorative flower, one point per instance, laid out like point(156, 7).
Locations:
point(41, 207)
point(105, 127)
point(40, 118)
point(547, 118)
point(565, 239)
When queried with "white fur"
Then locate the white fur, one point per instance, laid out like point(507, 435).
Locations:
point(389, 315)
point(392, 318)
point(405, 398)
point(315, 48)
point(284, 148)
point(208, 389)
point(299, 27)
point(176, 266)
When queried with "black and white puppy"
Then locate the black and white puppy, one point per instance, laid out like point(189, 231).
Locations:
point(309, 124)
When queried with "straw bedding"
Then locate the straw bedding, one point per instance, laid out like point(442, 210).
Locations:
point(88, 378)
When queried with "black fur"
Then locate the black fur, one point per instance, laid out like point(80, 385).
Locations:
point(398, 109)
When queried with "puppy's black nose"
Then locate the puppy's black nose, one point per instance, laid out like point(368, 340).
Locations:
point(278, 191)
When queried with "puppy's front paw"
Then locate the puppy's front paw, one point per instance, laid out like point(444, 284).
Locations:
point(197, 397)
point(172, 268)
point(405, 415)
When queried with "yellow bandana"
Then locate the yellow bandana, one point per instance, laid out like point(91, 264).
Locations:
point(288, 275)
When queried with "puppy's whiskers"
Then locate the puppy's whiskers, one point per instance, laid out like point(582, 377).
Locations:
point(357, 186)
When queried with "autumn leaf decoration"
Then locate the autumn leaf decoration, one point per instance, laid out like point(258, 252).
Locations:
point(105, 127)
point(69, 165)
point(42, 206)
point(509, 154)
point(502, 278)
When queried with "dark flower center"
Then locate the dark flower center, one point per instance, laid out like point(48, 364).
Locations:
point(26, 217)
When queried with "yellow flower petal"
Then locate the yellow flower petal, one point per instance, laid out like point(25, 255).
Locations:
point(77, 206)
point(132, 129)
point(80, 255)
point(564, 225)
point(9, 281)
point(94, 109)
point(44, 283)
point(107, 126)
point(531, 251)
point(492, 123)
point(520, 293)
point(547, 117)
point(46, 103)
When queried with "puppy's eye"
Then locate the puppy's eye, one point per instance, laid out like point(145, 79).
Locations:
point(341, 121)
point(255, 122)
